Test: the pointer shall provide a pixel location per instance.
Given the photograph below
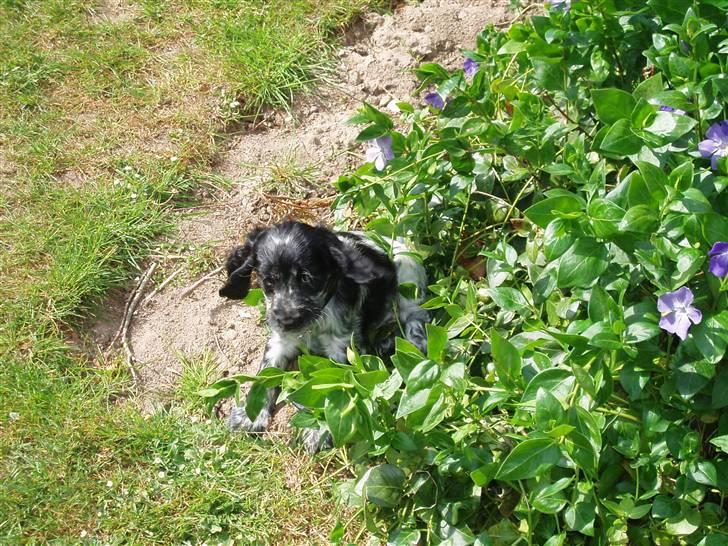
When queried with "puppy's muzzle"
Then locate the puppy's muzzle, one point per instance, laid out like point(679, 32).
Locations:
point(290, 318)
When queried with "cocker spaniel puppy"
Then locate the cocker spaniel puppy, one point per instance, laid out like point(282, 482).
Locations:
point(323, 289)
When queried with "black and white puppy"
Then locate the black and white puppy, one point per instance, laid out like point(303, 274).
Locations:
point(323, 289)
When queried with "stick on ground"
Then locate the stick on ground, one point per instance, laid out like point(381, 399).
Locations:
point(137, 294)
point(162, 286)
point(204, 279)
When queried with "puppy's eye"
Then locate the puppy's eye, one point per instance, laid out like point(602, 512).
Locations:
point(268, 284)
point(305, 277)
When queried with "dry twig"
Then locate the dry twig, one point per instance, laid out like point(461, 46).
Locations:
point(519, 16)
point(204, 279)
point(131, 307)
point(162, 286)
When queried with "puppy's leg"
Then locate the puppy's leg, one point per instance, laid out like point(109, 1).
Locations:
point(279, 353)
point(316, 439)
point(413, 320)
point(412, 317)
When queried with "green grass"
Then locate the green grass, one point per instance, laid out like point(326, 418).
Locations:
point(78, 461)
point(198, 372)
point(92, 113)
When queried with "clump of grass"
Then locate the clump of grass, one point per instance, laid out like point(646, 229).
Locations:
point(289, 177)
point(198, 372)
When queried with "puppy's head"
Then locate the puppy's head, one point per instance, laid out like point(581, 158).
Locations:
point(299, 268)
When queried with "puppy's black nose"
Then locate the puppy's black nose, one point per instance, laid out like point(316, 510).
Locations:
point(290, 318)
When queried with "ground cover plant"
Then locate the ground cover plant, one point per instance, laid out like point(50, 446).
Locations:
point(109, 115)
point(566, 192)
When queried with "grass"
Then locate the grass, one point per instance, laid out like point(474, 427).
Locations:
point(198, 372)
point(108, 120)
point(288, 177)
point(79, 463)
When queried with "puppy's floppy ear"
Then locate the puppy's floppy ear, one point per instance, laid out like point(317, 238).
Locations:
point(240, 264)
point(362, 265)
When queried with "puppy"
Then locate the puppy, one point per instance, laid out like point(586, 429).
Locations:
point(323, 289)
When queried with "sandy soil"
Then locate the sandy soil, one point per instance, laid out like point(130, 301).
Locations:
point(374, 65)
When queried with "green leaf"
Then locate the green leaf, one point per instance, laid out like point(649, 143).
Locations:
point(703, 472)
point(548, 72)
point(681, 177)
point(383, 485)
point(506, 358)
point(254, 296)
point(582, 264)
point(508, 299)
point(665, 507)
point(307, 396)
point(691, 377)
point(388, 388)
point(418, 389)
point(483, 475)
point(580, 516)
point(720, 390)
point(544, 211)
point(423, 375)
point(256, 399)
point(432, 412)
point(649, 88)
point(691, 201)
point(601, 306)
point(371, 132)
point(612, 104)
point(528, 459)
point(549, 411)
point(605, 217)
point(655, 181)
point(685, 523)
point(582, 453)
point(370, 380)
point(621, 140)
point(639, 219)
point(721, 442)
point(436, 341)
point(670, 125)
point(556, 540)
point(711, 336)
point(640, 331)
point(337, 533)
point(550, 498)
point(689, 262)
point(404, 537)
point(341, 416)
point(556, 381)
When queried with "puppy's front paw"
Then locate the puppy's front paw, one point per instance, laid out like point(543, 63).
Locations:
point(315, 440)
point(238, 420)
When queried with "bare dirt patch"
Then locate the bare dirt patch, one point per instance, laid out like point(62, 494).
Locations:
point(113, 11)
point(375, 66)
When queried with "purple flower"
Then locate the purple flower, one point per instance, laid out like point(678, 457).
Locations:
point(470, 67)
point(435, 100)
point(560, 5)
point(664, 108)
point(677, 312)
point(380, 152)
point(716, 145)
point(719, 259)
